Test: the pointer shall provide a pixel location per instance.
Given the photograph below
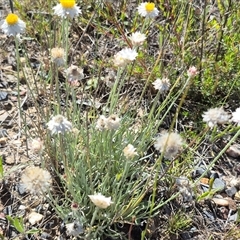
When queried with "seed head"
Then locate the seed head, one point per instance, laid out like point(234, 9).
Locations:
point(169, 143)
point(36, 180)
point(110, 123)
point(74, 73)
point(36, 145)
point(129, 151)
point(58, 56)
point(215, 116)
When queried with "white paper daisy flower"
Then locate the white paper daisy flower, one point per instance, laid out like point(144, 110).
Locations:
point(162, 85)
point(100, 201)
point(236, 116)
point(129, 151)
point(67, 8)
point(148, 10)
point(59, 124)
point(215, 116)
point(124, 57)
point(137, 38)
point(12, 25)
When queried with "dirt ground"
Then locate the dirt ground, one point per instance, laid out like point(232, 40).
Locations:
point(214, 218)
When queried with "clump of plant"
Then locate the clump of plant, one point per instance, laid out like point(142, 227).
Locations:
point(96, 144)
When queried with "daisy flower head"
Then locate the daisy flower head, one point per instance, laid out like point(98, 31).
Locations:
point(192, 71)
point(67, 8)
point(169, 143)
point(137, 39)
point(129, 151)
point(59, 124)
point(36, 145)
point(148, 10)
point(236, 116)
point(57, 55)
point(101, 123)
point(215, 116)
point(74, 73)
point(12, 25)
point(113, 122)
point(74, 206)
point(124, 57)
point(36, 180)
point(74, 229)
point(108, 123)
point(100, 201)
point(162, 85)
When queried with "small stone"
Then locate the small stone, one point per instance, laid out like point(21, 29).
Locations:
point(233, 217)
point(209, 215)
point(234, 151)
point(17, 143)
point(231, 191)
point(3, 133)
point(34, 217)
point(36, 202)
point(45, 235)
point(21, 189)
point(200, 171)
point(186, 194)
point(220, 202)
point(204, 181)
point(22, 207)
point(186, 235)
point(3, 140)
point(223, 212)
point(205, 188)
point(234, 182)
point(182, 181)
point(219, 184)
point(45, 206)
point(10, 160)
point(232, 204)
point(237, 196)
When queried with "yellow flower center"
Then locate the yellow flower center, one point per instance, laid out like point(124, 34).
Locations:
point(11, 18)
point(67, 3)
point(149, 7)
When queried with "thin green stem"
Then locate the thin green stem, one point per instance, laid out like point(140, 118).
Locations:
point(65, 32)
point(18, 87)
point(57, 90)
point(94, 216)
point(113, 98)
point(92, 222)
